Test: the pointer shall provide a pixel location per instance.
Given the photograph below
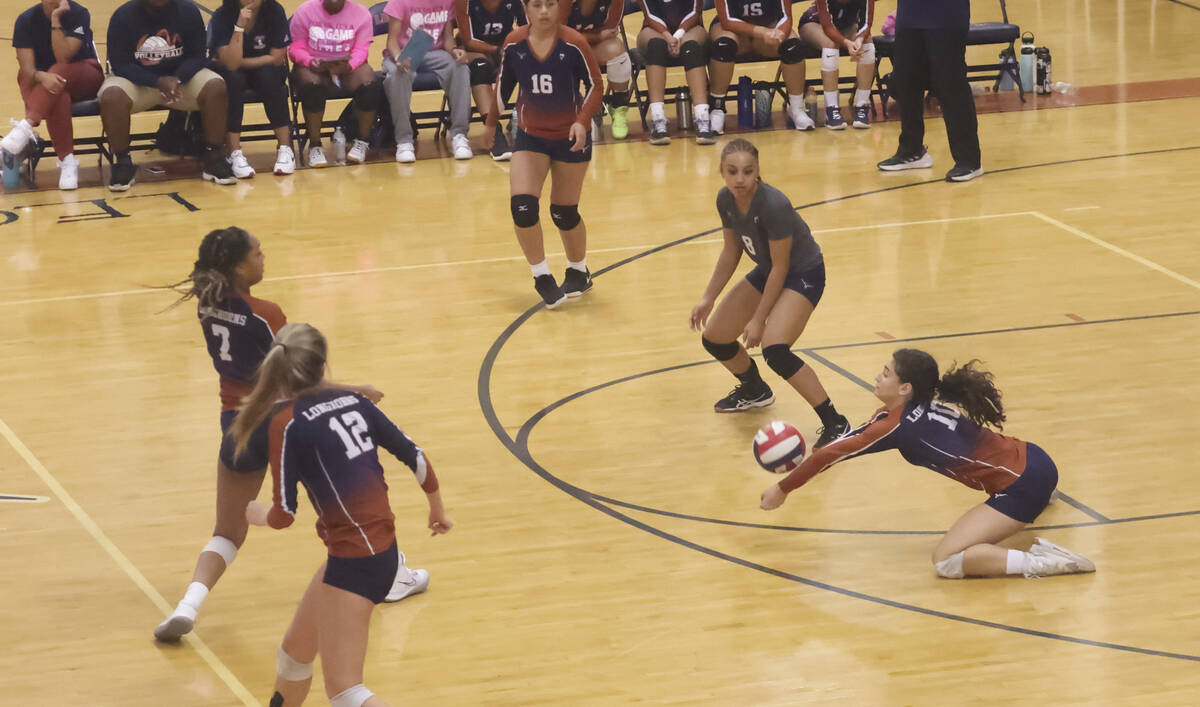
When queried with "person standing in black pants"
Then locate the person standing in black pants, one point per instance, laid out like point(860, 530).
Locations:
point(930, 52)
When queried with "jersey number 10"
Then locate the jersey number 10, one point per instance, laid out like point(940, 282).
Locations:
point(542, 83)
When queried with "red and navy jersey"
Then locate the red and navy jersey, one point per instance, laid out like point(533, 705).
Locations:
point(670, 15)
point(239, 332)
point(605, 14)
point(735, 15)
point(550, 99)
point(835, 15)
point(328, 441)
point(932, 435)
point(476, 22)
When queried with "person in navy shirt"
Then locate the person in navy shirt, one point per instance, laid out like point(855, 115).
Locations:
point(833, 25)
point(673, 29)
point(599, 23)
point(482, 27)
point(944, 424)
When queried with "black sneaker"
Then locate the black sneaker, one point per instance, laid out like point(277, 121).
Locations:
point(215, 168)
point(123, 173)
point(831, 432)
point(862, 117)
point(552, 294)
point(704, 133)
point(963, 173)
point(834, 119)
point(501, 152)
point(576, 282)
point(744, 397)
point(898, 161)
point(658, 132)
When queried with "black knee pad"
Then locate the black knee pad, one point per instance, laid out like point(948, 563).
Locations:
point(657, 52)
point(725, 49)
point(482, 71)
point(276, 700)
point(616, 99)
point(565, 217)
point(368, 95)
point(721, 352)
point(781, 360)
point(692, 55)
point(312, 97)
point(524, 210)
point(791, 51)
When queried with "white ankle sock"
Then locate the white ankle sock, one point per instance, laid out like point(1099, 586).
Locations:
point(657, 112)
point(1017, 562)
point(581, 266)
point(540, 269)
point(700, 111)
point(831, 99)
point(795, 103)
point(862, 96)
point(193, 598)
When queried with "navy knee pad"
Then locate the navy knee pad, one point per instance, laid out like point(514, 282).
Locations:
point(482, 72)
point(524, 210)
point(725, 49)
point(617, 99)
point(791, 51)
point(312, 97)
point(656, 52)
point(366, 98)
point(781, 360)
point(565, 217)
point(692, 55)
point(721, 352)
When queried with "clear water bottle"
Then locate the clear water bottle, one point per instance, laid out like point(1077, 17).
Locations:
point(1027, 62)
point(683, 109)
point(339, 145)
point(763, 96)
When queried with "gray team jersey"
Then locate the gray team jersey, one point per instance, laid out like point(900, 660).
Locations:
point(771, 217)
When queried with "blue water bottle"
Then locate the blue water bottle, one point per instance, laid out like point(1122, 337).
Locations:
point(11, 167)
point(745, 95)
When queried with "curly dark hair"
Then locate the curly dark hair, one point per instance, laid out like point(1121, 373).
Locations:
point(968, 386)
point(211, 280)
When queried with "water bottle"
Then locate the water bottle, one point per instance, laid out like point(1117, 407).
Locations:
point(683, 109)
point(745, 97)
point(1027, 62)
point(763, 95)
point(339, 145)
point(1044, 83)
point(810, 107)
point(12, 169)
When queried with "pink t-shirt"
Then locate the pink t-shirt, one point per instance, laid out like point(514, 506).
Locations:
point(429, 15)
point(316, 34)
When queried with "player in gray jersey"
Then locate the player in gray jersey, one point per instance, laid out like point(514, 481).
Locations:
point(772, 305)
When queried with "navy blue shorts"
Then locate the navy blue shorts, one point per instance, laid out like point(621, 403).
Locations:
point(1028, 496)
point(557, 150)
point(371, 577)
point(256, 453)
point(810, 283)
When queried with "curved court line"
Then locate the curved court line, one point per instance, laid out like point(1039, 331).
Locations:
point(483, 391)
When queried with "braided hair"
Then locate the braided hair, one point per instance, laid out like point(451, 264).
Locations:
point(211, 280)
point(968, 386)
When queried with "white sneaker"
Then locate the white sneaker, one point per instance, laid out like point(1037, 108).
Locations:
point(716, 121)
point(408, 582)
point(405, 153)
point(68, 175)
point(285, 160)
point(17, 138)
point(462, 146)
point(358, 152)
point(1050, 559)
point(176, 625)
point(241, 167)
point(316, 157)
point(802, 121)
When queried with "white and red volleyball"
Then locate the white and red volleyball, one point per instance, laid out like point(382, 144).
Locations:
point(779, 447)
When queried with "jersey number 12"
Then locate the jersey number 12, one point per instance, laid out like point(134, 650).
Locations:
point(355, 439)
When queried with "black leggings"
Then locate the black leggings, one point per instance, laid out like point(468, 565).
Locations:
point(269, 82)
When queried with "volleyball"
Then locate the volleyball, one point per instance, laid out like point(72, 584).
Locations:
point(778, 447)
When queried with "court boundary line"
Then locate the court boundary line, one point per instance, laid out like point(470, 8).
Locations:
point(123, 562)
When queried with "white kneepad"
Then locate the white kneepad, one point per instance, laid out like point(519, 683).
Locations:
point(290, 669)
point(351, 697)
point(829, 60)
point(951, 567)
point(223, 547)
point(620, 69)
point(868, 54)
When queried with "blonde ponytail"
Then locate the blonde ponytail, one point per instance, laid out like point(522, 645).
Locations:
point(295, 363)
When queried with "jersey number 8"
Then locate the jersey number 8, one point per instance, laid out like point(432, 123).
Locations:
point(355, 439)
point(542, 83)
point(749, 245)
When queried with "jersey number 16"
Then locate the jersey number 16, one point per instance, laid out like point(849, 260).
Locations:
point(542, 83)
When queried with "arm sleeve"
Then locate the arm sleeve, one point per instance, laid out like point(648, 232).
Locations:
point(723, 198)
point(615, 12)
point(827, 23)
point(730, 24)
point(363, 35)
point(77, 19)
point(299, 50)
point(786, 20)
point(592, 82)
point(779, 218)
point(120, 54)
point(506, 82)
point(195, 44)
point(401, 446)
point(22, 34)
point(222, 31)
point(283, 474)
point(693, 18)
point(653, 21)
point(278, 35)
point(876, 436)
point(865, 32)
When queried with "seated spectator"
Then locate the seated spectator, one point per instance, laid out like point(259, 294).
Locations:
point(673, 30)
point(482, 27)
point(445, 60)
point(56, 65)
point(599, 21)
point(330, 43)
point(764, 28)
point(156, 50)
point(249, 39)
point(826, 26)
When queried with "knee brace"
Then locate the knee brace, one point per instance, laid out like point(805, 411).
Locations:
point(223, 547)
point(620, 69)
point(829, 60)
point(951, 567)
point(291, 669)
point(868, 54)
point(524, 210)
point(725, 49)
point(366, 98)
point(692, 54)
point(482, 72)
point(721, 352)
point(351, 697)
point(656, 52)
point(791, 51)
point(781, 360)
point(565, 217)
point(312, 97)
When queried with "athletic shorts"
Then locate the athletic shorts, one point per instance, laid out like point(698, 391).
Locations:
point(557, 150)
point(256, 454)
point(810, 282)
point(1028, 496)
point(371, 576)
